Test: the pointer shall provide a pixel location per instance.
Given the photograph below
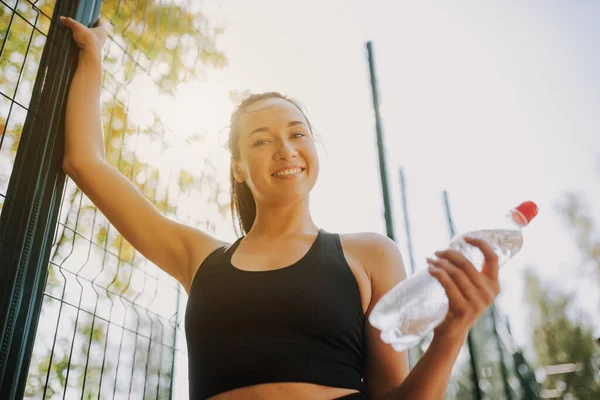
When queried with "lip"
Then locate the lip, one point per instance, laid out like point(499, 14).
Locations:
point(288, 167)
point(290, 177)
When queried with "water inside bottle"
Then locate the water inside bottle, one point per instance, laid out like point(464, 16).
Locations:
point(505, 242)
point(417, 305)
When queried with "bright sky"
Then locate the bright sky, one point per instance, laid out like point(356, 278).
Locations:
point(495, 103)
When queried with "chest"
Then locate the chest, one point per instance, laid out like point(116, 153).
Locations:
point(259, 257)
point(274, 255)
point(302, 287)
point(292, 300)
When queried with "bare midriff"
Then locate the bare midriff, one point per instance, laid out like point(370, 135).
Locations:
point(284, 390)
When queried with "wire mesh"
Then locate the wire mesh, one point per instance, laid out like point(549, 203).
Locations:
point(29, 175)
point(24, 29)
point(110, 325)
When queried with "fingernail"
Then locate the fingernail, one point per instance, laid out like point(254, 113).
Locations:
point(438, 253)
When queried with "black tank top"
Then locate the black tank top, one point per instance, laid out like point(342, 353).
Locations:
point(301, 323)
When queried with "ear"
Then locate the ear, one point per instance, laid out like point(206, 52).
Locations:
point(238, 174)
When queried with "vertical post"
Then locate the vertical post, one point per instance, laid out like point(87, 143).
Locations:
point(389, 225)
point(414, 353)
point(530, 389)
point(470, 342)
point(29, 217)
point(494, 316)
point(411, 259)
point(177, 320)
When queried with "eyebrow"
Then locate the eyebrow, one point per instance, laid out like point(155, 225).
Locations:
point(266, 129)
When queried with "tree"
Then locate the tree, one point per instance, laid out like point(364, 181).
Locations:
point(106, 326)
point(560, 339)
point(562, 332)
point(577, 217)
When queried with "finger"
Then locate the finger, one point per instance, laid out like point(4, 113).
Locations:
point(455, 257)
point(71, 23)
point(460, 260)
point(478, 297)
point(456, 301)
point(490, 265)
point(486, 286)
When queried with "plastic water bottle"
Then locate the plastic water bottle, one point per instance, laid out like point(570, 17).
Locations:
point(416, 305)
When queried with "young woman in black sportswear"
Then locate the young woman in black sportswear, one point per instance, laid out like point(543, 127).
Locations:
point(282, 312)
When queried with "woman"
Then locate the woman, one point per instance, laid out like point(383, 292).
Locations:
point(282, 312)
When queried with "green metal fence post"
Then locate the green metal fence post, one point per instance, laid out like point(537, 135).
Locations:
point(29, 217)
point(493, 316)
point(470, 341)
point(416, 352)
point(389, 223)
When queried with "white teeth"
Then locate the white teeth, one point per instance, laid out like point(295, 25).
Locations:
point(288, 172)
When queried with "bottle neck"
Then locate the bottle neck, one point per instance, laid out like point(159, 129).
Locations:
point(518, 218)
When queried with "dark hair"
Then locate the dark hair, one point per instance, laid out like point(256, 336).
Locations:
point(242, 201)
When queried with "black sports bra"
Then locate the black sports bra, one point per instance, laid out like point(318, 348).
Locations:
point(301, 323)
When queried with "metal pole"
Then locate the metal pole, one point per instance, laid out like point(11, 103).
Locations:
point(380, 146)
point(470, 343)
point(175, 343)
point(493, 313)
point(409, 245)
point(415, 353)
point(30, 214)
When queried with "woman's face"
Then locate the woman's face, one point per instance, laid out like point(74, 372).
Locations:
point(278, 156)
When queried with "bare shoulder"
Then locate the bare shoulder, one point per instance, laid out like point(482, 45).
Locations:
point(198, 245)
point(370, 247)
point(379, 256)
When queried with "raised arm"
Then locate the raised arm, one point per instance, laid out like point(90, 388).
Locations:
point(173, 247)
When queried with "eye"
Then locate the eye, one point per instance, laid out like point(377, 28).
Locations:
point(297, 135)
point(260, 142)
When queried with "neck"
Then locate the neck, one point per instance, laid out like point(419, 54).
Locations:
point(280, 220)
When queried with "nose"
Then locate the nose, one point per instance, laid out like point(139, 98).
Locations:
point(286, 151)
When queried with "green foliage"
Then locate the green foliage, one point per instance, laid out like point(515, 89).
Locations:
point(561, 339)
point(109, 307)
point(578, 218)
point(177, 42)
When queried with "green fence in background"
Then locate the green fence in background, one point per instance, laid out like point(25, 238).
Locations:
point(83, 314)
point(35, 64)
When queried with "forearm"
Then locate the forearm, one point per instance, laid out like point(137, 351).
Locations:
point(83, 126)
point(429, 378)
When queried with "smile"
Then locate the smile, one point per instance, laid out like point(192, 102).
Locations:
point(288, 172)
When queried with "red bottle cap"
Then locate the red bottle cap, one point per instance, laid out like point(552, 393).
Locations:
point(528, 210)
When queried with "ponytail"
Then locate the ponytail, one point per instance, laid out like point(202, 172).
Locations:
point(242, 205)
